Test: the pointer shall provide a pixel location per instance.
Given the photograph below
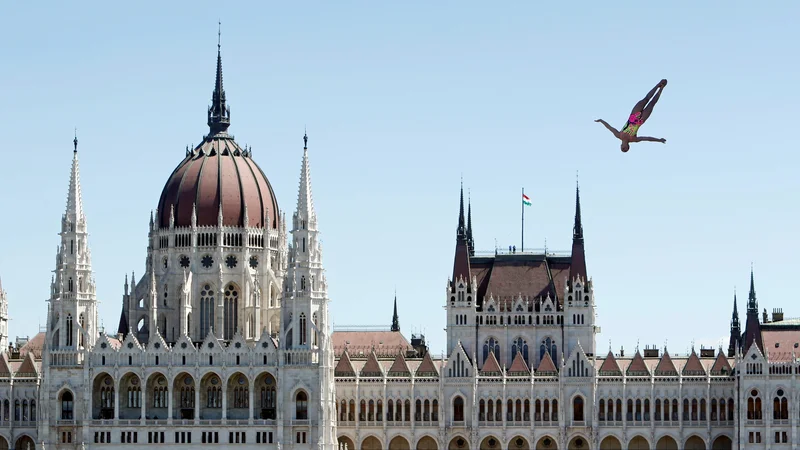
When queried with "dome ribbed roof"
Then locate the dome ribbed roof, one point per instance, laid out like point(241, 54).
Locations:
point(218, 175)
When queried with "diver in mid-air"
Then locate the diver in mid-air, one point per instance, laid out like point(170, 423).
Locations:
point(640, 113)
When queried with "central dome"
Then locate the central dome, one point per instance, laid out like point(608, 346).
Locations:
point(218, 178)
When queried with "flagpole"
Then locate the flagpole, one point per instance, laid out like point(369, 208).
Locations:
point(522, 245)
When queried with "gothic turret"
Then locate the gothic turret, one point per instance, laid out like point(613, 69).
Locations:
point(461, 263)
point(219, 115)
point(736, 331)
point(470, 240)
point(72, 314)
point(752, 330)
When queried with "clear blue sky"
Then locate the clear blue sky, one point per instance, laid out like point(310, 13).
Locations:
point(400, 100)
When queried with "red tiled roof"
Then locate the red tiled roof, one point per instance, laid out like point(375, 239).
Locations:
point(28, 366)
point(491, 366)
point(665, 366)
point(372, 368)
point(781, 345)
point(720, 365)
point(5, 369)
point(518, 365)
point(509, 276)
point(637, 366)
point(387, 343)
point(546, 365)
point(427, 368)
point(693, 365)
point(399, 366)
point(34, 345)
point(344, 367)
point(610, 366)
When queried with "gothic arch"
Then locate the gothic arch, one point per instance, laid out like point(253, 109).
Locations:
point(722, 442)
point(666, 442)
point(3, 442)
point(399, 443)
point(490, 443)
point(371, 442)
point(610, 442)
point(348, 441)
point(578, 442)
point(458, 442)
point(427, 442)
point(518, 443)
point(25, 441)
point(546, 442)
point(639, 442)
point(156, 395)
point(695, 442)
point(238, 392)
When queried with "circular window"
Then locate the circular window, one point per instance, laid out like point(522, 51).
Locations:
point(460, 442)
point(135, 381)
point(241, 380)
point(103, 345)
point(579, 442)
point(130, 344)
point(187, 381)
point(254, 261)
point(754, 393)
point(107, 381)
point(207, 261)
point(231, 261)
point(157, 345)
point(492, 442)
point(547, 442)
point(264, 344)
point(268, 381)
point(210, 345)
point(238, 345)
point(780, 392)
point(215, 381)
point(184, 261)
point(183, 344)
point(520, 442)
point(161, 381)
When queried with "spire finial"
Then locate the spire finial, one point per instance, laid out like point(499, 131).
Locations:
point(395, 318)
point(462, 226)
point(75, 141)
point(219, 114)
point(305, 138)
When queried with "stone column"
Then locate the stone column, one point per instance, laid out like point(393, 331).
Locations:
point(250, 401)
point(116, 399)
point(224, 400)
point(170, 393)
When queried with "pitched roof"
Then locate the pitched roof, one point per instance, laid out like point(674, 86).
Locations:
point(666, 366)
point(546, 365)
point(371, 368)
point(34, 345)
point(344, 368)
point(427, 368)
point(781, 345)
point(361, 343)
point(5, 370)
point(693, 365)
point(28, 366)
point(399, 366)
point(491, 366)
point(637, 366)
point(721, 365)
point(518, 366)
point(610, 365)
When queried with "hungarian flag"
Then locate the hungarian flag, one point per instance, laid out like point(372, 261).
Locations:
point(526, 200)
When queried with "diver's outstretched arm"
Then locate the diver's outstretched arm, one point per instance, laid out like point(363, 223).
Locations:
point(613, 130)
point(649, 139)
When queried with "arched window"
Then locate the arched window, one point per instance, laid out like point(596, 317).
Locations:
point(134, 397)
point(601, 411)
point(17, 411)
point(231, 306)
point(754, 406)
point(69, 284)
point(435, 410)
point(458, 409)
point(207, 308)
point(82, 331)
point(520, 346)
point(301, 406)
point(268, 398)
point(314, 331)
point(33, 410)
point(780, 407)
point(66, 406)
point(303, 331)
point(493, 346)
point(303, 283)
point(69, 330)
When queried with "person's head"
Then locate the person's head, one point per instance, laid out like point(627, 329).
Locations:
point(624, 146)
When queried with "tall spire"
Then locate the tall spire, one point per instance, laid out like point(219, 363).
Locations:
point(305, 201)
point(752, 329)
point(470, 240)
point(219, 115)
point(578, 264)
point(736, 330)
point(395, 319)
point(462, 229)
point(752, 303)
point(74, 211)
